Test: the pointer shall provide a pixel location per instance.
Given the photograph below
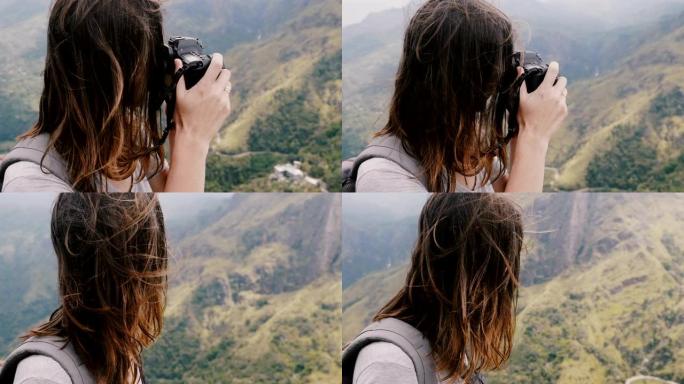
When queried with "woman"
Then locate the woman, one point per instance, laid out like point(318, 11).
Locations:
point(446, 121)
point(99, 114)
point(457, 307)
point(112, 257)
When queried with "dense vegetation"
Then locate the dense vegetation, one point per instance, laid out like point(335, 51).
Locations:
point(295, 130)
point(632, 163)
point(226, 173)
point(626, 166)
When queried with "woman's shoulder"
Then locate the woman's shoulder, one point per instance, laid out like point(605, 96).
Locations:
point(382, 362)
point(26, 176)
point(39, 369)
point(383, 175)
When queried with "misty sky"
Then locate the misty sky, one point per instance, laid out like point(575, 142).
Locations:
point(354, 11)
point(393, 206)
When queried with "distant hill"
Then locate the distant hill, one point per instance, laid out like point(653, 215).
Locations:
point(286, 56)
point(254, 287)
point(624, 63)
point(602, 297)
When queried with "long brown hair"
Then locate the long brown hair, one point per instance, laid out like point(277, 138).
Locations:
point(112, 257)
point(97, 103)
point(461, 290)
point(446, 109)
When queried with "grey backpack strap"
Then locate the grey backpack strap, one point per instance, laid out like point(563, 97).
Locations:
point(399, 333)
point(54, 348)
point(385, 147)
point(33, 149)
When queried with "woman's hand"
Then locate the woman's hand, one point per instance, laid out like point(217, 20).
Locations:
point(200, 113)
point(202, 110)
point(543, 111)
point(540, 115)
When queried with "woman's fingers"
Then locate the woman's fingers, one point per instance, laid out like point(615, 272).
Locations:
point(213, 71)
point(224, 79)
point(562, 83)
point(551, 75)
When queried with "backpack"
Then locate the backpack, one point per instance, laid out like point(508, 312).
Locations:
point(385, 147)
point(33, 149)
point(403, 335)
point(52, 347)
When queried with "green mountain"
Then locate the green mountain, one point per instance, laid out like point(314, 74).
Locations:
point(602, 298)
point(623, 60)
point(254, 287)
point(286, 58)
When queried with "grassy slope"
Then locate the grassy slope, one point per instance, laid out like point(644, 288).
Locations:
point(623, 96)
point(276, 322)
point(285, 61)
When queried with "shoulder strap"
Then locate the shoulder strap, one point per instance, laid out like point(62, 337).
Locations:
point(399, 333)
point(389, 148)
point(33, 149)
point(54, 348)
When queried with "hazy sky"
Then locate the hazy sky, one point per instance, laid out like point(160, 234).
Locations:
point(354, 11)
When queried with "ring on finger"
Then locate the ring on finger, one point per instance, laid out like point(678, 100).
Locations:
point(229, 88)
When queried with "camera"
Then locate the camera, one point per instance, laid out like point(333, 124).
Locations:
point(534, 67)
point(535, 70)
point(190, 51)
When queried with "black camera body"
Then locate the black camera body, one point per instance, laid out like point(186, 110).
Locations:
point(534, 66)
point(535, 70)
point(190, 51)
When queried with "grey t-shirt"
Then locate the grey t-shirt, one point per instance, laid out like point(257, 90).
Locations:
point(40, 370)
point(25, 176)
point(382, 175)
point(384, 363)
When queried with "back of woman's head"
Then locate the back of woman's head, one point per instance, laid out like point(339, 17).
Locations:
point(457, 58)
point(461, 289)
point(112, 257)
point(100, 71)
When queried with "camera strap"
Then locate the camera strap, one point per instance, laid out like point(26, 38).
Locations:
point(170, 99)
point(513, 104)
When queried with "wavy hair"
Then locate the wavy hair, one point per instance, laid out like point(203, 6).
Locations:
point(461, 290)
point(112, 256)
point(99, 101)
point(446, 109)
